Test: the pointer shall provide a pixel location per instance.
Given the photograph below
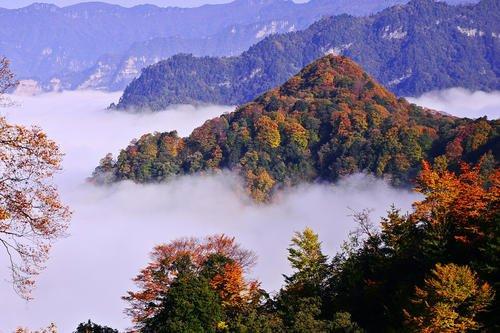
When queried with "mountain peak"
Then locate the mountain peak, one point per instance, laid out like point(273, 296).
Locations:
point(330, 120)
point(258, 2)
point(337, 78)
point(41, 6)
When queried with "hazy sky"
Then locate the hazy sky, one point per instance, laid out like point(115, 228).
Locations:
point(128, 3)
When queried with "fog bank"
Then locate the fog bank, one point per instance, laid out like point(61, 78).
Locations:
point(461, 102)
point(114, 228)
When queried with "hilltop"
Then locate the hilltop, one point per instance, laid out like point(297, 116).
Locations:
point(330, 120)
point(411, 49)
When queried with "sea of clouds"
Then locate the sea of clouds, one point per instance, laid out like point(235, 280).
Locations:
point(114, 228)
point(461, 102)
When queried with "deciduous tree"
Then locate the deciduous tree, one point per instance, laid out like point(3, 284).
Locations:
point(450, 300)
point(31, 215)
point(156, 279)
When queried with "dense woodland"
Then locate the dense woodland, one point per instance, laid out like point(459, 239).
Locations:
point(435, 269)
point(414, 48)
point(330, 120)
point(97, 45)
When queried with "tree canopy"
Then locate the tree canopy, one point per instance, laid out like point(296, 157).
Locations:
point(32, 216)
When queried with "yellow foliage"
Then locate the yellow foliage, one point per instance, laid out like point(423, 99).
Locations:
point(298, 134)
point(450, 300)
point(267, 132)
point(260, 185)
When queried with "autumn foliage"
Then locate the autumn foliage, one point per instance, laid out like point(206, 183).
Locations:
point(228, 280)
point(330, 120)
point(31, 214)
point(468, 201)
point(435, 269)
point(450, 300)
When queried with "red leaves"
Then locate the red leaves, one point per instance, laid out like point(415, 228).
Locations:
point(466, 198)
point(154, 280)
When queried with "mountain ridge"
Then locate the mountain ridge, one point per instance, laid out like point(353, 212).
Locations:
point(73, 45)
point(412, 49)
point(330, 120)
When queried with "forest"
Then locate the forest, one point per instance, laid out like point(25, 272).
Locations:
point(330, 120)
point(401, 46)
point(434, 269)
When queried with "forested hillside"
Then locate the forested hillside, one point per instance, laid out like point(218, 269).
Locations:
point(432, 270)
point(97, 45)
point(411, 49)
point(331, 119)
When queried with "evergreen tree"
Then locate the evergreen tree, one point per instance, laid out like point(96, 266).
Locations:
point(90, 327)
point(190, 305)
point(307, 259)
point(299, 302)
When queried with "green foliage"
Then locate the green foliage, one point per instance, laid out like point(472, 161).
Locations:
point(432, 270)
point(307, 259)
point(342, 322)
point(90, 327)
point(191, 305)
point(314, 127)
point(392, 45)
point(455, 223)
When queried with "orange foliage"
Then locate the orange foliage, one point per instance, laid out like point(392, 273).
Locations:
point(463, 198)
point(267, 132)
point(450, 300)
point(173, 144)
point(260, 185)
point(233, 290)
point(297, 133)
point(31, 215)
point(155, 280)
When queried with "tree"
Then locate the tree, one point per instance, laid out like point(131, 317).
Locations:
point(90, 327)
point(208, 260)
point(306, 257)
point(7, 80)
point(31, 214)
point(450, 300)
point(467, 201)
point(52, 328)
point(189, 305)
point(456, 222)
point(268, 133)
point(300, 301)
point(342, 322)
point(235, 293)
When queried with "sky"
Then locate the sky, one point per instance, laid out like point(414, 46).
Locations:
point(114, 228)
point(127, 3)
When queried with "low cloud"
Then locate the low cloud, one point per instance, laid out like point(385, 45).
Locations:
point(114, 228)
point(461, 102)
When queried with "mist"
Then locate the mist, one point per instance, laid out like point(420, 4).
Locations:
point(114, 228)
point(461, 102)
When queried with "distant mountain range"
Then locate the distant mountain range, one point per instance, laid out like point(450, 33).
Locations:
point(413, 48)
point(102, 46)
point(331, 119)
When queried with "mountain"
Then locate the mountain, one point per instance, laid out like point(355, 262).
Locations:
point(413, 48)
point(102, 46)
point(330, 120)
